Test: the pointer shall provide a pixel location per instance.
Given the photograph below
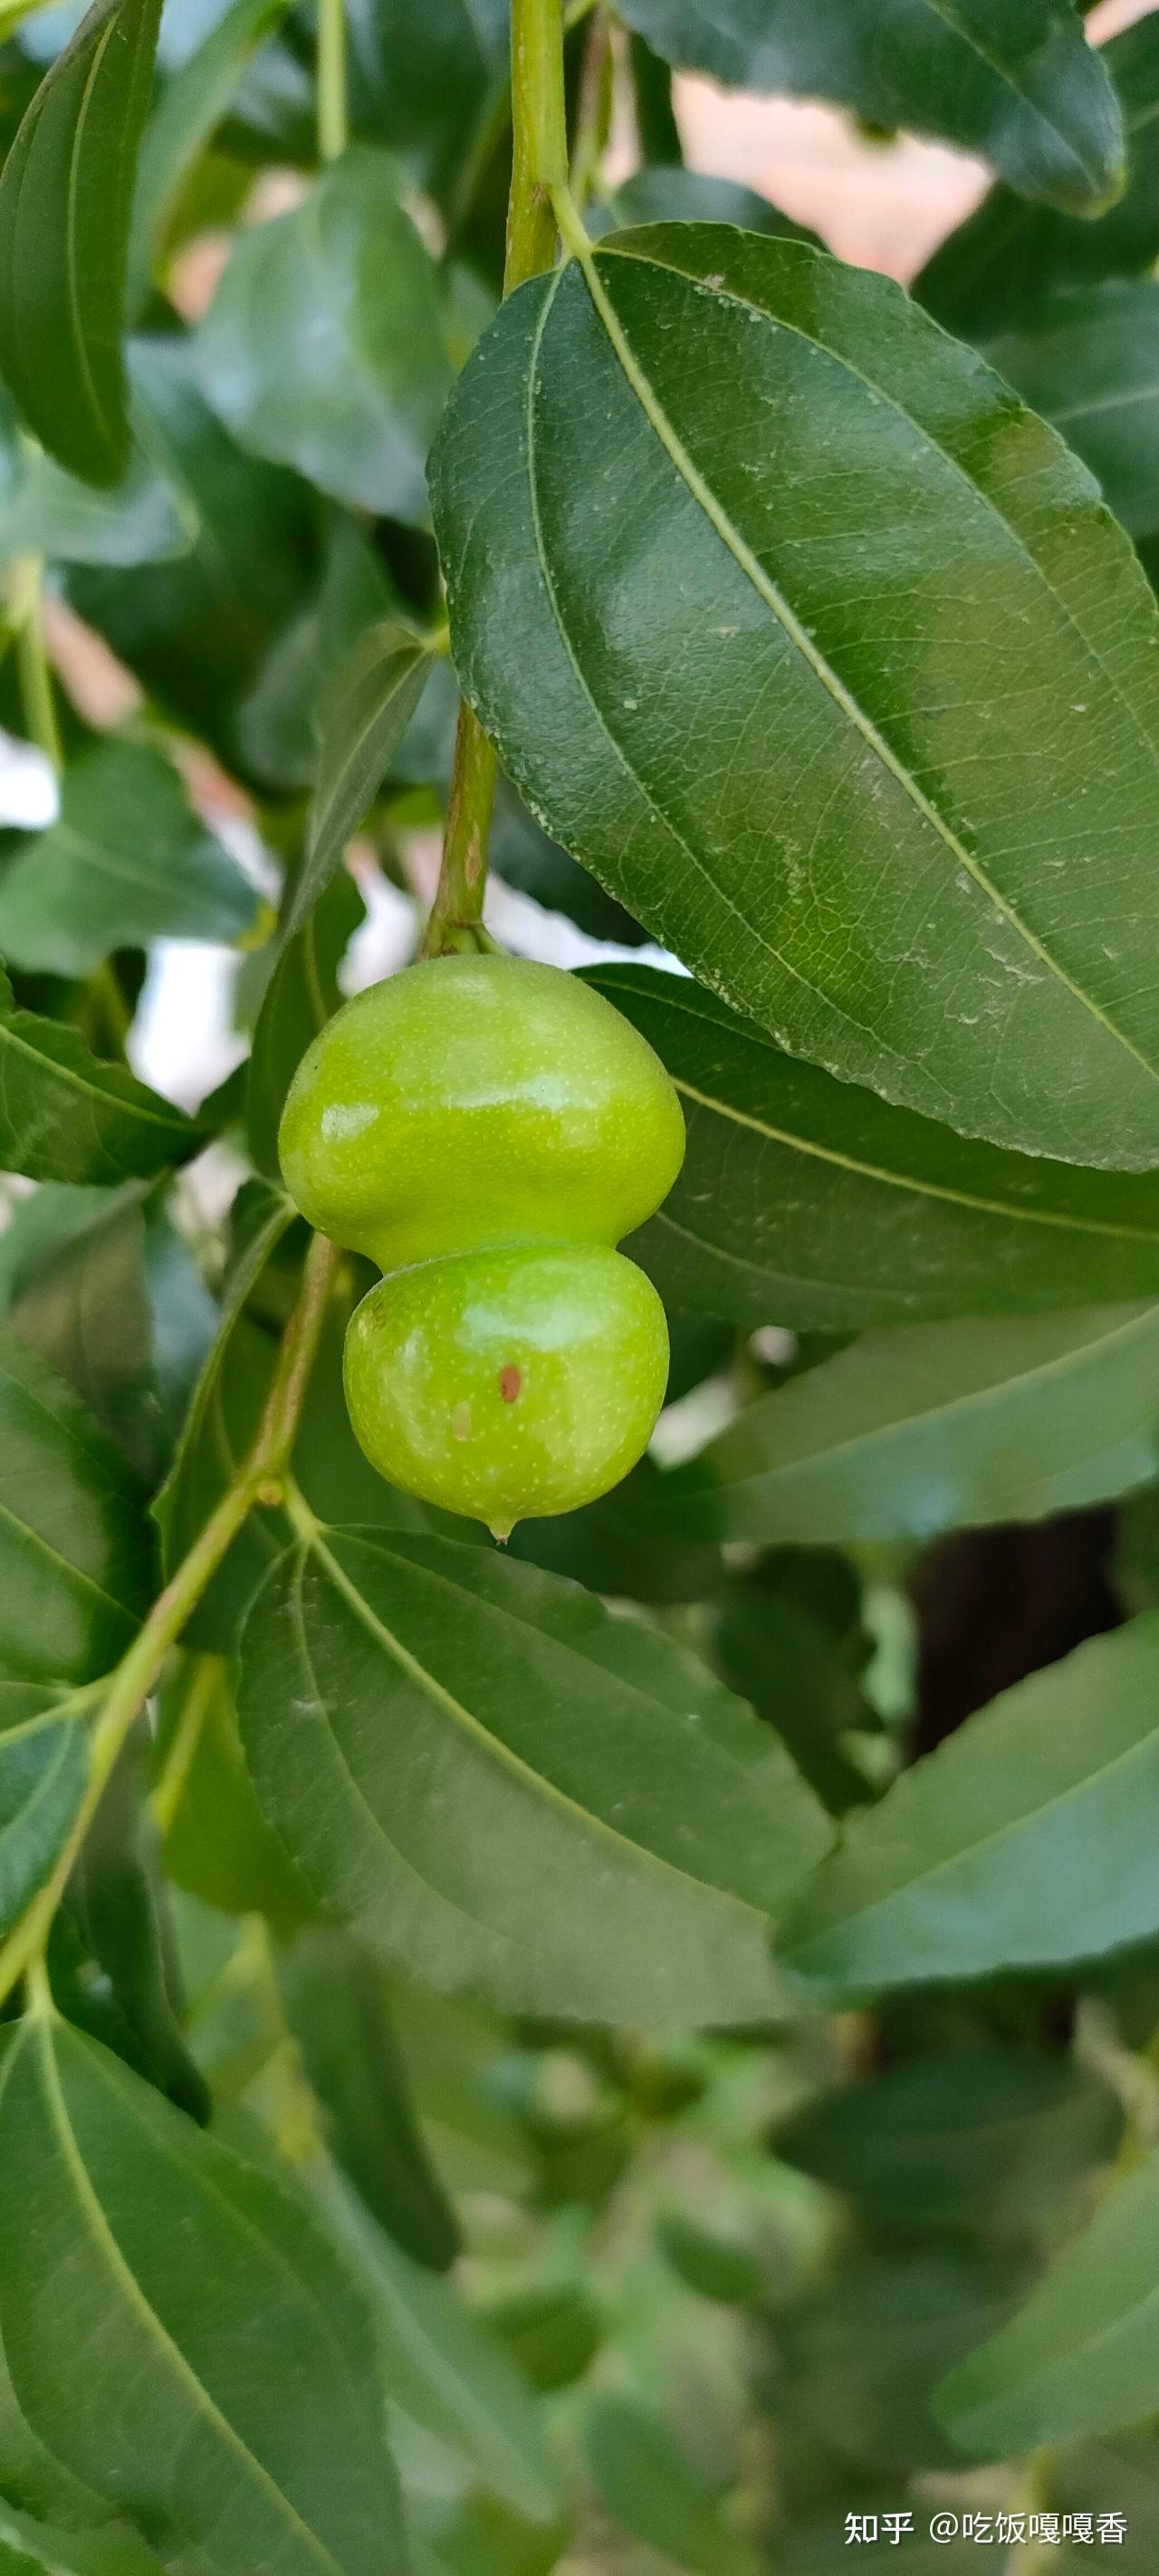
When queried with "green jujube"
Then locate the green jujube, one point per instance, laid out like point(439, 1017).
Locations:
point(486, 1130)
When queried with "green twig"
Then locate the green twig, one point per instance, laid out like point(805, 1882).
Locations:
point(258, 1479)
point(36, 690)
point(169, 1788)
point(596, 102)
point(333, 107)
point(538, 167)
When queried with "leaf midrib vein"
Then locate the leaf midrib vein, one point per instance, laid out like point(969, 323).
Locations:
point(823, 670)
point(592, 1826)
point(103, 2237)
point(1078, 1356)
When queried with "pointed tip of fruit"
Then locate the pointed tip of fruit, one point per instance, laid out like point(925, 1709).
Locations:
point(500, 1531)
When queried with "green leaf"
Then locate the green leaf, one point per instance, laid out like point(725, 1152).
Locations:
point(64, 1116)
point(52, 513)
point(976, 2138)
point(195, 630)
point(770, 1647)
point(337, 2002)
point(44, 1769)
point(653, 2492)
point(174, 2252)
point(85, 1307)
point(449, 1744)
point(552, 2330)
point(857, 2361)
point(361, 722)
point(127, 862)
point(191, 105)
point(911, 1432)
point(1011, 79)
point(1008, 253)
point(118, 1906)
point(323, 347)
point(65, 199)
point(438, 2364)
point(75, 1564)
point(301, 996)
point(1023, 1841)
point(218, 1845)
point(423, 80)
point(807, 1203)
point(1082, 2356)
point(30, 2547)
point(261, 1216)
point(670, 194)
point(277, 724)
point(1089, 362)
point(799, 735)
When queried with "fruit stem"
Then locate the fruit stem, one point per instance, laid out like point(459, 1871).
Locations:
point(538, 167)
point(140, 1669)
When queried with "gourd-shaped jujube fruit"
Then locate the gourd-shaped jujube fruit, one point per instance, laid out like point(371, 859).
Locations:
point(487, 1130)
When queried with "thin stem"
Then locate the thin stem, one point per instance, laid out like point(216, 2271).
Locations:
point(538, 166)
point(456, 913)
point(36, 690)
point(333, 109)
point(178, 1763)
point(257, 1480)
point(597, 99)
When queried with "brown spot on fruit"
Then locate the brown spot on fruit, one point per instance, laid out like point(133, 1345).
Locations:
point(510, 1381)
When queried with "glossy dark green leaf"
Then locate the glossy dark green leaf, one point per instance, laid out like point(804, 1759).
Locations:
point(1008, 253)
point(977, 2138)
point(196, 630)
point(1082, 2357)
point(36, 2549)
point(1089, 361)
point(911, 1432)
point(174, 2250)
point(361, 722)
point(323, 347)
point(85, 1306)
point(1011, 79)
point(437, 2362)
point(75, 1562)
point(654, 2493)
point(768, 1646)
point(65, 199)
point(216, 1843)
point(615, 1546)
point(858, 2361)
point(337, 2003)
point(64, 1116)
point(127, 862)
point(376, 1669)
point(44, 1769)
point(191, 105)
point(845, 615)
point(1023, 1841)
point(670, 194)
point(300, 998)
point(807, 1203)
